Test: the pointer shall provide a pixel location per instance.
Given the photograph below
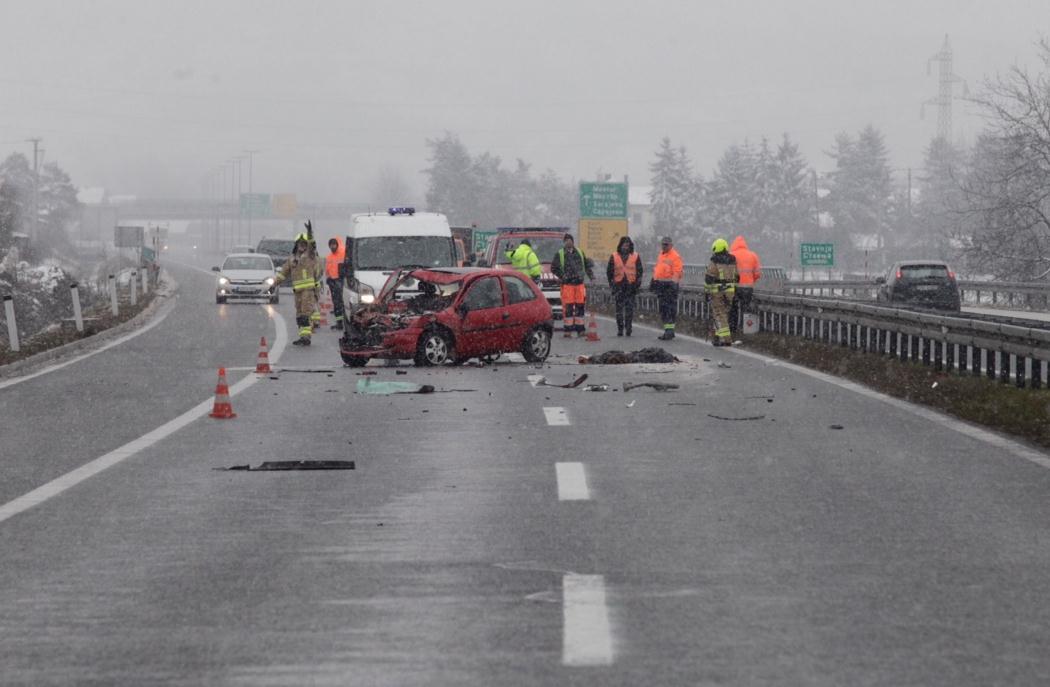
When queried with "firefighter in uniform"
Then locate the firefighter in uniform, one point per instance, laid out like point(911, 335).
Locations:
point(333, 269)
point(720, 283)
point(667, 275)
point(525, 260)
point(624, 273)
point(570, 265)
point(304, 269)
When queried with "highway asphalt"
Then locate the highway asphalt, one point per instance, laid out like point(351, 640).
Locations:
point(758, 525)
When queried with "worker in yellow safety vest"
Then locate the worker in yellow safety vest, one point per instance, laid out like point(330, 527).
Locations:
point(525, 260)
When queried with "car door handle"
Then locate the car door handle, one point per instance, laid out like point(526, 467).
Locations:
point(506, 315)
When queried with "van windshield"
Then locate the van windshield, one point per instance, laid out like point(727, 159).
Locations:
point(390, 252)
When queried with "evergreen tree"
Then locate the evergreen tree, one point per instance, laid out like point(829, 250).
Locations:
point(861, 190)
point(453, 189)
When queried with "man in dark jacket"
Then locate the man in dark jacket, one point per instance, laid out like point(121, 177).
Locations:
point(624, 272)
point(570, 266)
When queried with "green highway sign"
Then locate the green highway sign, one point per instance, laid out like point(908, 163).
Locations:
point(255, 205)
point(603, 200)
point(818, 254)
point(481, 241)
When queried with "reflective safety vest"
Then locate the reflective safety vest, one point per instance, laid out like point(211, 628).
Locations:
point(668, 267)
point(525, 260)
point(628, 269)
point(334, 261)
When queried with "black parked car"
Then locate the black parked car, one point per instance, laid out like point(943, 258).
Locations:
point(924, 283)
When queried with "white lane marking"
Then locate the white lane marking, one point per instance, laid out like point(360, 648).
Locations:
point(75, 477)
point(587, 636)
point(988, 437)
point(572, 482)
point(556, 416)
point(164, 311)
point(534, 380)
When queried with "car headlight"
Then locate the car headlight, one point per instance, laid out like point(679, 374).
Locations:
point(223, 281)
point(367, 298)
point(270, 281)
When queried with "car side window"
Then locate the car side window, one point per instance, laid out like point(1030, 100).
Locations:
point(484, 293)
point(517, 290)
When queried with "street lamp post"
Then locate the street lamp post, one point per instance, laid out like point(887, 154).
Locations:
point(251, 198)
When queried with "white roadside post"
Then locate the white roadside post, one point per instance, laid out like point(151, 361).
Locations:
point(12, 328)
point(78, 316)
point(134, 289)
point(114, 307)
point(145, 281)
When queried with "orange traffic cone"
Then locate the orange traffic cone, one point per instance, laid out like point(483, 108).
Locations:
point(592, 329)
point(222, 409)
point(324, 307)
point(263, 364)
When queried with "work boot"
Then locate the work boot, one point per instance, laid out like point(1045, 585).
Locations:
point(666, 336)
point(627, 331)
point(619, 332)
point(301, 341)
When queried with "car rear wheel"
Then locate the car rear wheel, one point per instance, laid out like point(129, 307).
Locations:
point(435, 348)
point(537, 345)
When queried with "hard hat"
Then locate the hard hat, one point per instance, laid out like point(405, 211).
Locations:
point(301, 236)
point(719, 246)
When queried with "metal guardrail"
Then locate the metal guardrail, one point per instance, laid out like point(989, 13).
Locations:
point(1004, 351)
point(995, 293)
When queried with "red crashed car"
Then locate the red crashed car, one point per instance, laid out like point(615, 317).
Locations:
point(449, 315)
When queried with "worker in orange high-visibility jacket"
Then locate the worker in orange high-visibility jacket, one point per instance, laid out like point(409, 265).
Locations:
point(624, 273)
point(749, 268)
point(667, 276)
point(334, 278)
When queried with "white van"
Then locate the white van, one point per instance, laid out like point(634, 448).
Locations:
point(379, 243)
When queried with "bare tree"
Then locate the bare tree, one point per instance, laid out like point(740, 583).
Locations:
point(1007, 188)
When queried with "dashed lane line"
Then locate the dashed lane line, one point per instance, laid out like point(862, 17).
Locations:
point(572, 482)
point(556, 416)
point(586, 633)
point(88, 470)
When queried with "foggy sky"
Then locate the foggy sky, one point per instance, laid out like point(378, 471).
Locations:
point(148, 98)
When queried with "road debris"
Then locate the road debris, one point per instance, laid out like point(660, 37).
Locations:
point(681, 404)
point(631, 404)
point(658, 386)
point(367, 386)
point(367, 373)
point(837, 427)
point(284, 465)
point(724, 365)
point(596, 387)
point(542, 381)
point(646, 355)
point(738, 419)
point(319, 370)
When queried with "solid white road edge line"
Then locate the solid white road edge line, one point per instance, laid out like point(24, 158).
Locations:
point(71, 479)
point(164, 311)
point(1006, 444)
point(556, 416)
point(572, 482)
point(586, 633)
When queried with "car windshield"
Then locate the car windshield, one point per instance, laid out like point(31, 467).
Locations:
point(545, 248)
point(276, 247)
point(924, 272)
point(391, 252)
point(246, 262)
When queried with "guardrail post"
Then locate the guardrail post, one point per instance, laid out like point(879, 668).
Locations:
point(78, 317)
point(1037, 373)
point(114, 306)
point(12, 326)
point(1004, 367)
point(1022, 371)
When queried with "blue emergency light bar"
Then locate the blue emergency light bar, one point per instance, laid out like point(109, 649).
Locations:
point(401, 211)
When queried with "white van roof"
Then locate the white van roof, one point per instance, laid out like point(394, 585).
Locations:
point(384, 224)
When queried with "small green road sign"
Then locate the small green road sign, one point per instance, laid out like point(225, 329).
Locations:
point(603, 200)
point(818, 254)
point(255, 205)
point(481, 241)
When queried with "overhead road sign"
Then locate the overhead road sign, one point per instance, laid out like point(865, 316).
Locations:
point(603, 200)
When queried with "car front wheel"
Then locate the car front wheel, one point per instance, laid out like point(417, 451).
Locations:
point(435, 348)
point(537, 345)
